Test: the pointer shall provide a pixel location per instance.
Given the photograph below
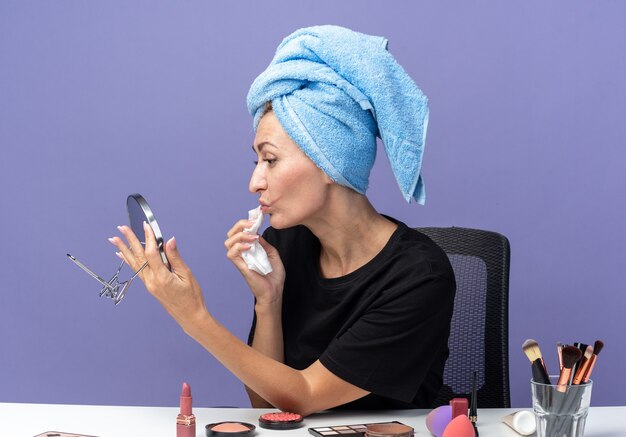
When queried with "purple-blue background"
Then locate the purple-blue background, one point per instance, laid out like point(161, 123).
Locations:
point(102, 99)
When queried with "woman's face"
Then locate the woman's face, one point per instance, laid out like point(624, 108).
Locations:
point(291, 188)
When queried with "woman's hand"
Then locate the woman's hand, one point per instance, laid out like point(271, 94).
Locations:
point(267, 289)
point(177, 290)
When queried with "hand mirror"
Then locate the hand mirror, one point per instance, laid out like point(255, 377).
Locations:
point(138, 212)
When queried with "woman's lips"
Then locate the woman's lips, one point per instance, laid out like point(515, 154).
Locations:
point(264, 206)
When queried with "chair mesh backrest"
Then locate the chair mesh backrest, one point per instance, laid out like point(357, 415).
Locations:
point(479, 333)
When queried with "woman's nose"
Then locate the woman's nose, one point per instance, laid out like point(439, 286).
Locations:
point(257, 181)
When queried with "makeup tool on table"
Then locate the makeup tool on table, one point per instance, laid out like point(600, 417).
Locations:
point(460, 426)
point(583, 374)
point(583, 348)
point(62, 434)
point(523, 422)
point(571, 355)
point(574, 394)
point(438, 419)
point(453, 419)
point(353, 430)
point(280, 420)
point(582, 366)
point(532, 351)
point(138, 212)
point(473, 411)
point(559, 352)
point(560, 404)
point(575, 364)
point(459, 407)
point(230, 429)
point(277, 421)
point(440, 423)
point(186, 421)
point(388, 430)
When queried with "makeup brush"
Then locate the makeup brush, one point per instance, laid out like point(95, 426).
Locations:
point(473, 410)
point(571, 355)
point(559, 353)
point(583, 366)
point(532, 351)
point(570, 400)
point(583, 349)
point(597, 347)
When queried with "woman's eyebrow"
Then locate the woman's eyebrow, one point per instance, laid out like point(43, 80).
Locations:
point(261, 145)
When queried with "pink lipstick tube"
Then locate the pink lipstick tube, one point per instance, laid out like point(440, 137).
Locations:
point(186, 421)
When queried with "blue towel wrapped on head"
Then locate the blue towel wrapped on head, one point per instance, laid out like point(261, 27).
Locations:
point(334, 91)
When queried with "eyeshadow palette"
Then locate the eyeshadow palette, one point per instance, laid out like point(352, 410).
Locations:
point(353, 430)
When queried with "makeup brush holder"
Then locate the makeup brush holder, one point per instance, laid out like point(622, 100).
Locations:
point(561, 411)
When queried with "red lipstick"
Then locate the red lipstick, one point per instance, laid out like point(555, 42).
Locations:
point(186, 421)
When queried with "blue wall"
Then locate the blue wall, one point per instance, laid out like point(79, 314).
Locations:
point(102, 99)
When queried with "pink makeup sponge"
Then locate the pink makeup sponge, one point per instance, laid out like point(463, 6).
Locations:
point(438, 419)
point(459, 427)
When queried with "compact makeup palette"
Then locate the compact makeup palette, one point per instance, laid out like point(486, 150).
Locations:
point(349, 430)
point(230, 429)
point(61, 434)
point(281, 420)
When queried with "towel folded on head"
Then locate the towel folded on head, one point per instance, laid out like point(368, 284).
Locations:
point(334, 91)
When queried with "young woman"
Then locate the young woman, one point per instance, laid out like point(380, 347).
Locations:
point(356, 311)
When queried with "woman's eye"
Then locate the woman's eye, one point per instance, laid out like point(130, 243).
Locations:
point(270, 161)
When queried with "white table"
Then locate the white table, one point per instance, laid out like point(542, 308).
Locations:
point(28, 420)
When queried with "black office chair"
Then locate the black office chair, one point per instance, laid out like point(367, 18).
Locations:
point(479, 335)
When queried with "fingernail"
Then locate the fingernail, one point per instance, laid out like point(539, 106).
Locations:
point(119, 227)
point(119, 255)
point(145, 225)
point(111, 240)
point(173, 242)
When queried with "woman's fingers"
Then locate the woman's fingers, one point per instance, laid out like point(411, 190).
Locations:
point(236, 249)
point(127, 255)
point(173, 256)
point(152, 253)
point(239, 227)
point(134, 255)
point(241, 237)
point(234, 254)
point(131, 238)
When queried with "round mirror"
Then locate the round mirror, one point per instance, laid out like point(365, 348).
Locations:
point(138, 212)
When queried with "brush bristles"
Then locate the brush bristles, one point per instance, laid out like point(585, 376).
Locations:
point(597, 346)
point(531, 349)
point(571, 355)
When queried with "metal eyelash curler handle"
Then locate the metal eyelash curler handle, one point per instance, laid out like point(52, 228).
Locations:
point(112, 288)
point(105, 284)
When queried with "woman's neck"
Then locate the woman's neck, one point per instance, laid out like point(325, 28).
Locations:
point(351, 233)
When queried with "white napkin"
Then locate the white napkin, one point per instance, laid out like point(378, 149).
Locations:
point(256, 257)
